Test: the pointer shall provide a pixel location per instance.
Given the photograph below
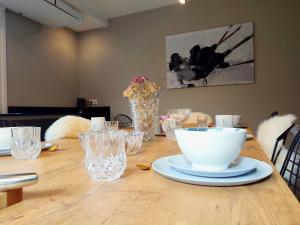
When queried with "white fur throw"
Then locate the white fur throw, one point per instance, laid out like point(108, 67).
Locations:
point(269, 130)
point(193, 118)
point(67, 127)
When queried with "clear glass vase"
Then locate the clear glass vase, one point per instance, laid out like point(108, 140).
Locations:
point(144, 113)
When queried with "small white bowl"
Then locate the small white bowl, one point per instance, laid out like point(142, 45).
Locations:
point(210, 149)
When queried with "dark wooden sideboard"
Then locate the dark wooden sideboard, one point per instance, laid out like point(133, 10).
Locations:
point(44, 116)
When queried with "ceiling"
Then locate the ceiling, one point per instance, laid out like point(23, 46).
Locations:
point(97, 12)
point(90, 14)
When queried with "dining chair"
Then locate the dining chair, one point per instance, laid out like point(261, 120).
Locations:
point(272, 134)
point(280, 139)
point(275, 113)
point(9, 123)
point(290, 170)
point(124, 120)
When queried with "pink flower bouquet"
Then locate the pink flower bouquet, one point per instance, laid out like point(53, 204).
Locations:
point(141, 88)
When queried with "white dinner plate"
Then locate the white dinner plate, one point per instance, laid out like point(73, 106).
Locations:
point(6, 151)
point(163, 167)
point(240, 166)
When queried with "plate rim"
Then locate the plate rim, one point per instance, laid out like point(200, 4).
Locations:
point(218, 174)
point(211, 181)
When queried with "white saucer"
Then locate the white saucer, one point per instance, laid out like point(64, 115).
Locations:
point(163, 167)
point(241, 166)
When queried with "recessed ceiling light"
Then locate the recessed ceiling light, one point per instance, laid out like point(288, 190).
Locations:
point(182, 2)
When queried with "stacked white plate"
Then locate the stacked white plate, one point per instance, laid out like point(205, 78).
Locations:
point(243, 170)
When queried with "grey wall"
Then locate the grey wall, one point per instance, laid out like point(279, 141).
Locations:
point(135, 44)
point(41, 64)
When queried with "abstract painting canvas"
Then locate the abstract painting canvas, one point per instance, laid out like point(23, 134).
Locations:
point(216, 56)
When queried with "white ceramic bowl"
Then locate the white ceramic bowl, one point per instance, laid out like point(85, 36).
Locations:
point(210, 149)
point(5, 137)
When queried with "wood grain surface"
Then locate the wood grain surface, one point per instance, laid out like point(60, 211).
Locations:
point(65, 194)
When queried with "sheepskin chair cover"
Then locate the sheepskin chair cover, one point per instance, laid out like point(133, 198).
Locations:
point(193, 118)
point(67, 127)
point(269, 130)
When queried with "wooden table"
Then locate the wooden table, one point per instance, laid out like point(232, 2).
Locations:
point(66, 195)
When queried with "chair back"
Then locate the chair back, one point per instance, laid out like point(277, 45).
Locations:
point(291, 167)
point(281, 138)
point(275, 113)
point(124, 120)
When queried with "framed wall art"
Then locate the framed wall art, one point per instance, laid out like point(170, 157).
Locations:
point(218, 56)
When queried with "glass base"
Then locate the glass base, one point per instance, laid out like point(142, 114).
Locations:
point(25, 155)
point(106, 169)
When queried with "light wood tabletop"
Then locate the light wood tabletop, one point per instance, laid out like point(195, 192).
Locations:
point(65, 194)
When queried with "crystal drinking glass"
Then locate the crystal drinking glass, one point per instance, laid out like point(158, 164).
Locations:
point(169, 126)
point(133, 142)
point(111, 125)
point(105, 157)
point(26, 142)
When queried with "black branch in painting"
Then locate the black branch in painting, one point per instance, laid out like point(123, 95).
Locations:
point(203, 61)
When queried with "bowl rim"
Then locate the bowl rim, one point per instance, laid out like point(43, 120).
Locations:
point(216, 130)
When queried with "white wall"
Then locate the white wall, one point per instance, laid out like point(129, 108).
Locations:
point(41, 64)
point(135, 44)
